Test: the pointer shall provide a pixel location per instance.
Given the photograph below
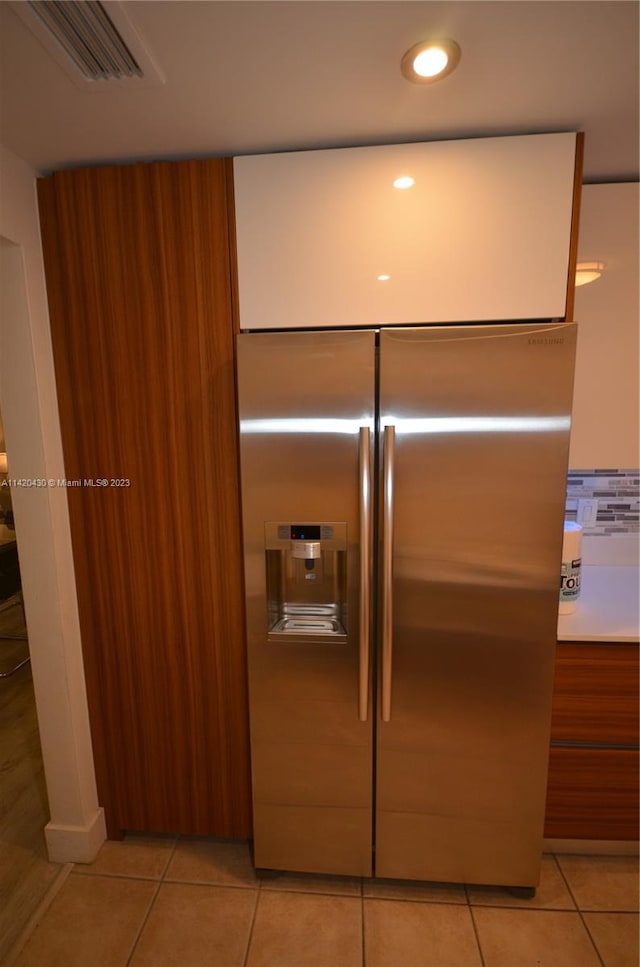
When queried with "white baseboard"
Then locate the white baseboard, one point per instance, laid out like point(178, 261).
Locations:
point(75, 844)
point(592, 847)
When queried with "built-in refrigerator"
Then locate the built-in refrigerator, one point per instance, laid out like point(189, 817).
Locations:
point(403, 498)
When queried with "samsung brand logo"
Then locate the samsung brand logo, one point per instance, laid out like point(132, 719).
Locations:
point(546, 341)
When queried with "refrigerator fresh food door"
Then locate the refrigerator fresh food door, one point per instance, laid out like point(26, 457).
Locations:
point(306, 405)
point(475, 434)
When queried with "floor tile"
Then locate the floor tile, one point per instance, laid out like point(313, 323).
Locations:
point(196, 926)
point(298, 930)
point(551, 894)
point(311, 883)
point(404, 934)
point(414, 890)
point(616, 937)
point(93, 920)
point(226, 863)
point(602, 882)
point(533, 938)
point(143, 856)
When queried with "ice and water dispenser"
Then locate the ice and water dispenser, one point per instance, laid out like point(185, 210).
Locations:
point(306, 579)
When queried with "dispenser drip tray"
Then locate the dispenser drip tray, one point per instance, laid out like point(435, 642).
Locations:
point(308, 626)
point(303, 620)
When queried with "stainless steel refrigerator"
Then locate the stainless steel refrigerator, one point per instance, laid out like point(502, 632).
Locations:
point(403, 497)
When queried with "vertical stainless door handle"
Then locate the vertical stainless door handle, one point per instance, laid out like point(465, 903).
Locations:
point(365, 571)
point(387, 569)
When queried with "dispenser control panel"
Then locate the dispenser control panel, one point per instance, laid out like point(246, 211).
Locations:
point(305, 532)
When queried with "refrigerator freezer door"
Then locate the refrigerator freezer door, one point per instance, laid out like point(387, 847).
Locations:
point(481, 417)
point(306, 400)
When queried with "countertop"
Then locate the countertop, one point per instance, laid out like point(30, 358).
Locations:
point(607, 607)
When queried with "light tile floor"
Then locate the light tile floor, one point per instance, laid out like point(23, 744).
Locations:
point(156, 902)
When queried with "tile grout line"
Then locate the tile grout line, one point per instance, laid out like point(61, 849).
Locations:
point(410, 899)
point(252, 925)
point(218, 883)
point(145, 919)
point(566, 882)
point(579, 911)
point(116, 876)
point(474, 924)
point(350, 896)
point(172, 853)
point(29, 929)
point(595, 947)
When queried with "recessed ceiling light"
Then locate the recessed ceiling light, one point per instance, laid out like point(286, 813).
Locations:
point(588, 272)
point(430, 60)
point(404, 181)
point(383, 278)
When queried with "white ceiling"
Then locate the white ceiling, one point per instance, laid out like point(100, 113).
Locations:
point(244, 76)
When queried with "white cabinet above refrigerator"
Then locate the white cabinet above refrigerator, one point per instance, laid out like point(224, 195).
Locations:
point(325, 239)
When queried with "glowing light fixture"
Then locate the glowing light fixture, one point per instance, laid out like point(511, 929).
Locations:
point(588, 272)
point(404, 182)
point(430, 60)
point(383, 278)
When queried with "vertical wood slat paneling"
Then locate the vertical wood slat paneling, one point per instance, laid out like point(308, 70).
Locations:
point(139, 279)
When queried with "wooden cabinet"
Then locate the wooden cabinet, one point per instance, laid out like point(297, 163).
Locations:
point(593, 768)
point(486, 232)
point(139, 272)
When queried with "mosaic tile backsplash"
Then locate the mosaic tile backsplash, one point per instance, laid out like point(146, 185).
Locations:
point(617, 493)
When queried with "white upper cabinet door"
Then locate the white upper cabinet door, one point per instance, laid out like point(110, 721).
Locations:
point(325, 239)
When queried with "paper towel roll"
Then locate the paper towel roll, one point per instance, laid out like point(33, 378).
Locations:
point(571, 565)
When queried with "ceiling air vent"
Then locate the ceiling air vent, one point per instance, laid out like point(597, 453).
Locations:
point(89, 37)
point(94, 42)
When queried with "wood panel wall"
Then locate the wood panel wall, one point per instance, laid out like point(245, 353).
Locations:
point(139, 272)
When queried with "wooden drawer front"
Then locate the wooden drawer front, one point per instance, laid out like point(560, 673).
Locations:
point(592, 794)
point(595, 697)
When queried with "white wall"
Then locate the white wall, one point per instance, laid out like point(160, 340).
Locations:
point(605, 431)
point(30, 412)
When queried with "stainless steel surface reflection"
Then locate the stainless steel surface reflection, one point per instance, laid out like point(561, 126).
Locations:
point(303, 399)
point(471, 448)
